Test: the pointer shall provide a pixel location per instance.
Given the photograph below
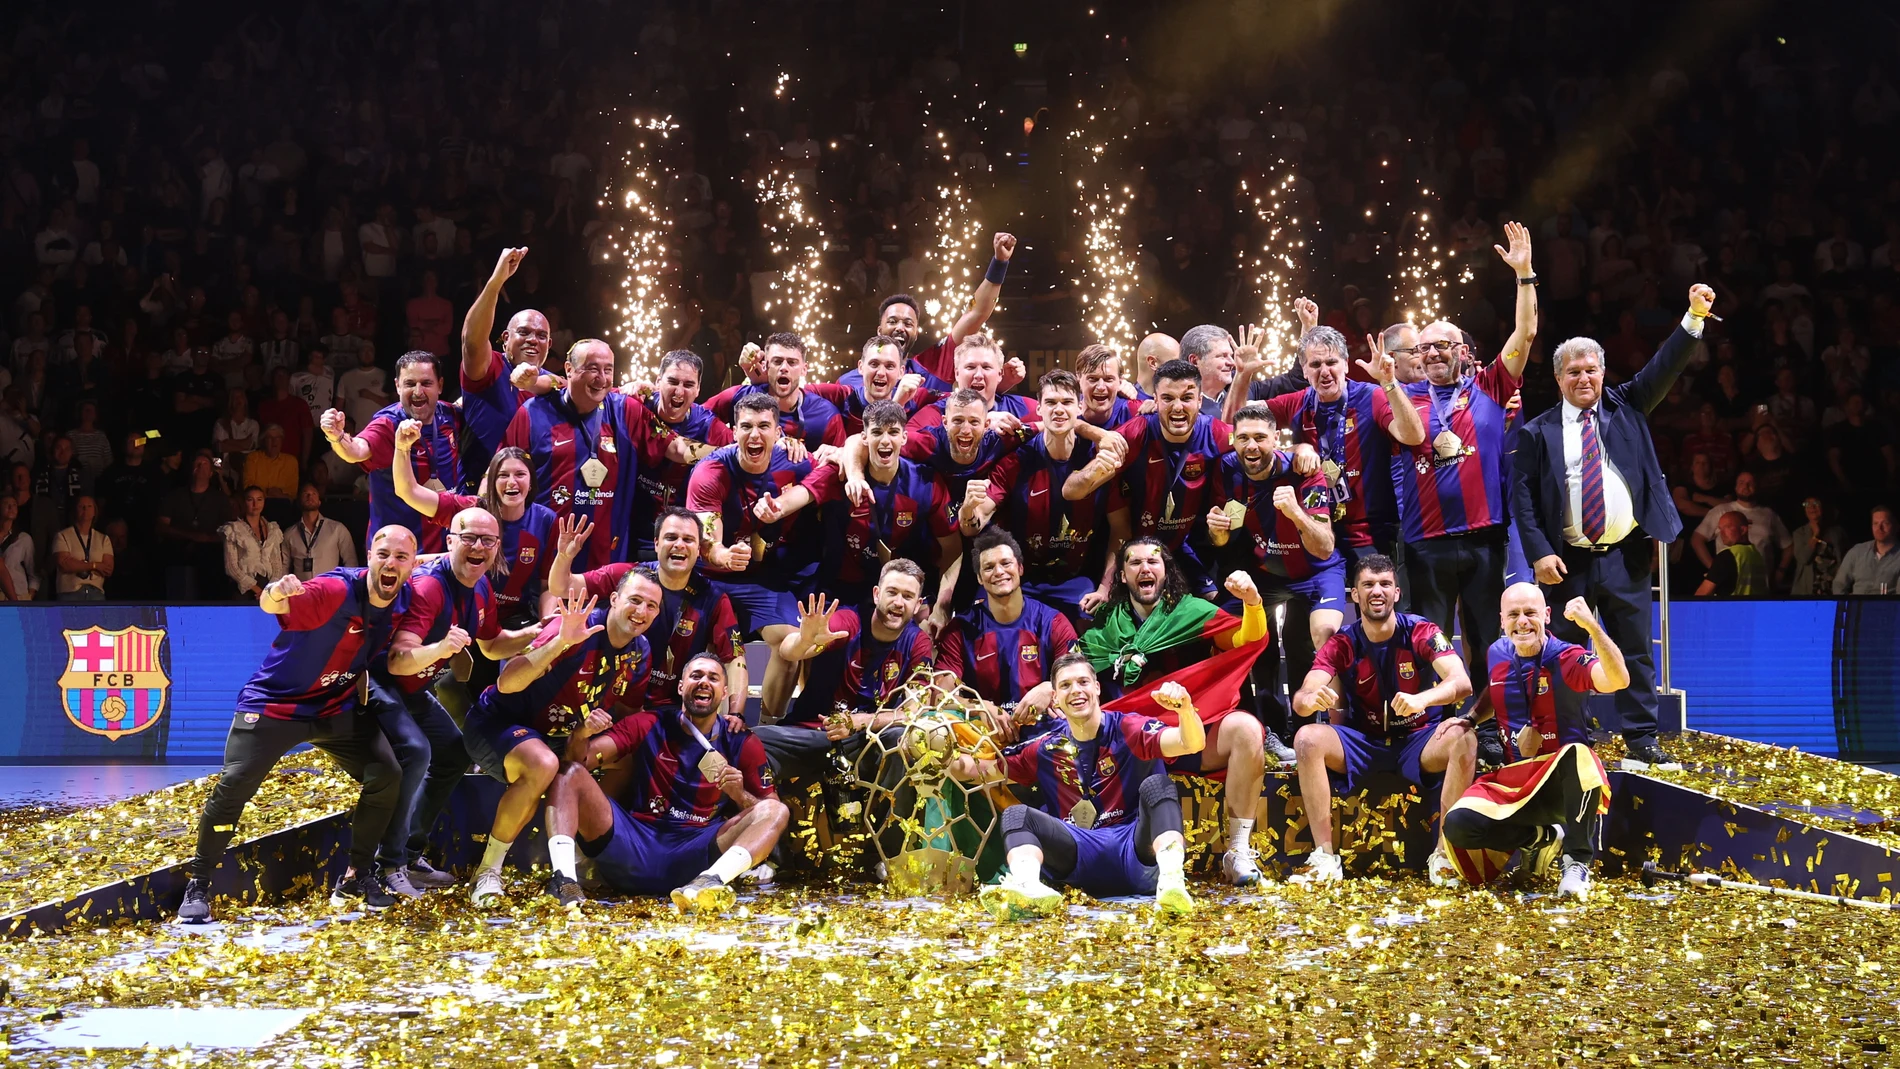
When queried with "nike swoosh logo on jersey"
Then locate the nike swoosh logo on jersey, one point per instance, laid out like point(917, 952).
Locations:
point(984, 656)
point(355, 630)
point(1038, 493)
point(1327, 601)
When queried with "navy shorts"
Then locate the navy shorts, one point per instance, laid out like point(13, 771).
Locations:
point(1366, 757)
point(490, 741)
point(1324, 589)
point(641, 857)
point(1106, 865)
point(759, 606)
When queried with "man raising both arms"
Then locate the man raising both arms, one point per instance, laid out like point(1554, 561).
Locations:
point(700, 808)
point(898, 318)
point(1552, 793)
point(1109, 820)
point(494, 384)
point(1390, 675)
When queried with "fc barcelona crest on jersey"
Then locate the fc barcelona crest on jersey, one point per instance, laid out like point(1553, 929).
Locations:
point(905, 519)
point(115, 682)
point(525, 555)
point(684, 628)
point(1193, 468)
point(1543, 683)
point(1407, 670)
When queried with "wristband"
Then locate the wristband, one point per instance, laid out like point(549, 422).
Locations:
point(1527, 280)
point(996, 271)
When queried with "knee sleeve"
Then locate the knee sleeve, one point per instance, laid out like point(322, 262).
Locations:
point(1158, 789)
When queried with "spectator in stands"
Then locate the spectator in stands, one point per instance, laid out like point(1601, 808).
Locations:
point(1738, 571)
point(92, 449)
point(1816, 549)
point(82, 556)
point(1712, 441)
point(196, 395)
point(19, 579)
point(363, 390)
point(60, 481)
point(316, 384)
point(287, 410)
point(253, 547)
point(1765, 530)
point(1860, 453)
point(189, 520)
point(275, 472)
point(1872, 567)
point(316, 543)
point(236, 434)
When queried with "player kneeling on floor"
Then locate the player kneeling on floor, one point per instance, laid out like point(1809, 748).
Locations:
point(1550, 799)
point(698, 810)
point(1109, 822)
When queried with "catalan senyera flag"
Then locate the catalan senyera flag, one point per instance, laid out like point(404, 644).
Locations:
point(1214, 684)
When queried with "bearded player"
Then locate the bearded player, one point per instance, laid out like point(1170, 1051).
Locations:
point(1549, 800)
point(1109, 819)
point(1385, 680)
point(698, 811)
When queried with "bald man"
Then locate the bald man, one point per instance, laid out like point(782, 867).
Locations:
point(490, 390)
point(1154, 351)
point(306, 691)
point(1550, 797)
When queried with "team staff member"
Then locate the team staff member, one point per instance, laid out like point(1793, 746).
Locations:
point(1550, 797)
point(306, 691)
point(507, 493)
point(587, 662)
point(438, 466)
point(494, 384)
point(1589, 495)
point(898, 318)
point(1390, 675)
point(700, 801)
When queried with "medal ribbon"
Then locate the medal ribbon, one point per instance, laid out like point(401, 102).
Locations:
point(1442, 414)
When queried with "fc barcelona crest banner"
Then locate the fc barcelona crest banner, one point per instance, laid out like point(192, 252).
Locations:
point(115, 682)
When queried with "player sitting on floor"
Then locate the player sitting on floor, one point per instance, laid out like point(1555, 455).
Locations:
point(700, 808)
point(1551, 798)
point(1109, 820)
point(1390, 675)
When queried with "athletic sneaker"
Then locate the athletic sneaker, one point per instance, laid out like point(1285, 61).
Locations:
point(1321, 867)
point(1172, 898)
point(397, 880)
point(1541, 855)
point(486, 890)
point(1019, 899)
point(1241, 867)
point(1576, 881)
point(1440, 870)
point(705, 894)
point(1490, 753)
point(762, 874)
point(1644, 754)
point(364, 890)
point(196, 907)
point(427, 876)
point(1278, 749)
point(565, 889)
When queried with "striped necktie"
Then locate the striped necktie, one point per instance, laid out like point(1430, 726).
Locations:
point(1594, 519)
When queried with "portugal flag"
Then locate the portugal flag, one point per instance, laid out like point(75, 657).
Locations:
point(1214, 685)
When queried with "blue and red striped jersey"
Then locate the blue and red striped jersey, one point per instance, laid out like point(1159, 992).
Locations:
point(719, 484)
point(621, 433)
point(1520, 691)
point(858, 672)
point(330, 632)
point(1273, 540)
point(1002, 662)
point(814, 421)
point(527, 544)
point(1060, 538)
point(1120, 411)
point(1465, 491)
point(488, 406)
point(1353, 432)
point(852, 402)
point(1107, 769)
point(931, 446)
point(931, 415)
point(438, 601)
point(1370, 673)
point(937, 364)
point(435, 457)
point(694, 620)
point(1167, 487)
point(662, 484)
point(667, 786)
point(593, 675)
point(906, 516)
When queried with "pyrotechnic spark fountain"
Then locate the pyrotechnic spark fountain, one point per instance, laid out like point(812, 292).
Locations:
point(639, 241)
point(1107, 289)
point(802, 295)
point(1277, 264)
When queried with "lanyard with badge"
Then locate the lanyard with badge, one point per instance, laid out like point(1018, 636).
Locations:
point(1177, 466)
point(307, 563)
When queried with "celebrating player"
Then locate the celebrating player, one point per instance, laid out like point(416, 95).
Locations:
point(306, 691)
point(494, 384)
point(981, 366)
point(1109, 819)
point(438, 466)
point(1390, 675)
point(662, 486)
point(587, 663)
point(700, 808)
point(1003, 646)
point(907, 512)
point(897, 318)
point(1550, 798)
point(1105, 402)
point(778, 372)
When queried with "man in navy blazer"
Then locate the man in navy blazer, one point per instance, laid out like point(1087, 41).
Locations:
point(1589, 495)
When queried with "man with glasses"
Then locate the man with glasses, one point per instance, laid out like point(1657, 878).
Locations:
point(490, 394)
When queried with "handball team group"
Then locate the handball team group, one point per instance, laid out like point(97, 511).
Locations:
point(585, 561)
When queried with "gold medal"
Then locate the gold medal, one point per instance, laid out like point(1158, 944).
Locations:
point(712, 764)
point(1448, 445)
point(594, 472)
point(1083, 814)
point(1236, 513)
point(758, 549)
point(435, 484)
point(1167, 513)
point(706, 528)
point(1330, 469)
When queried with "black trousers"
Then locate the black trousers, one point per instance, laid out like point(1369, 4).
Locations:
point(1616, 584)
point(1561, 800)
point(1465, 573)
point(803, 755)
point(1159, 811)
point(251, 750)
point(428, 746)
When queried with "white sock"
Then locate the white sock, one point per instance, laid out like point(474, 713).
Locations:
point(561, 855)
point(495, 853)
point(731, 864)
point(1239, 833)
point(1170, 856)
point(1025, 863)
